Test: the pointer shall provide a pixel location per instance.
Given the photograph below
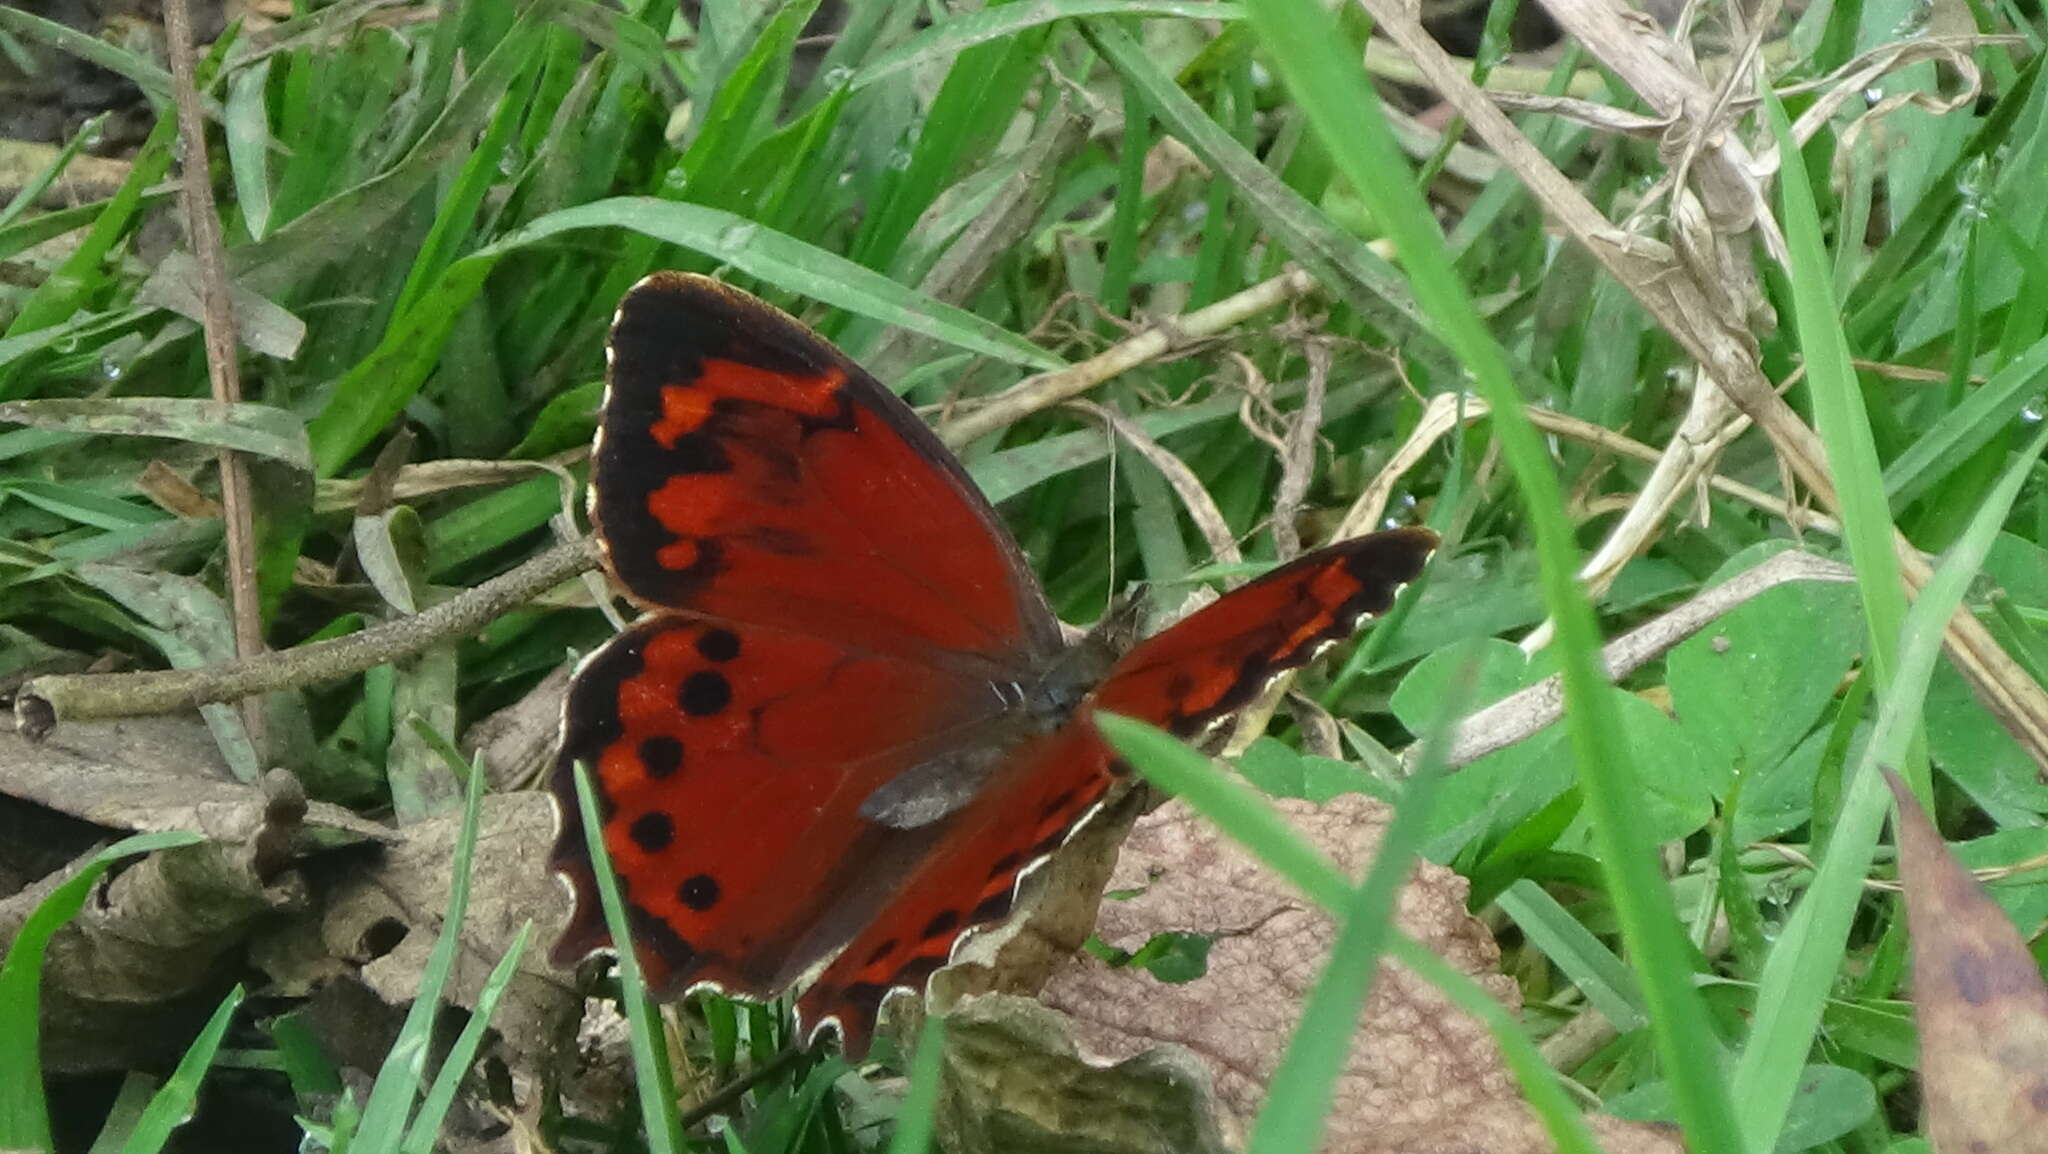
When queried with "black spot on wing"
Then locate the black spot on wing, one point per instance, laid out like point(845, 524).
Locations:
point(700, 892)
point(653, 831)
point(704, 693)
point(718, 645)
point(661, 757)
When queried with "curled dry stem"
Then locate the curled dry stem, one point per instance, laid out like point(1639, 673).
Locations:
point(1202, 509)
point(1521, 715)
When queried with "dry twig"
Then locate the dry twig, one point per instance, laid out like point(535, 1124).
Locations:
point(44, 701)
point(202, 234)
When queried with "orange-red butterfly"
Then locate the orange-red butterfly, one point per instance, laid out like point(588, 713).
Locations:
point(848, 723)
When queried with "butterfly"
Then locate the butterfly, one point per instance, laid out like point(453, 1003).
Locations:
point(848, 723)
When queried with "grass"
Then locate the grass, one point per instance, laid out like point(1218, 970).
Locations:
point(434, 217)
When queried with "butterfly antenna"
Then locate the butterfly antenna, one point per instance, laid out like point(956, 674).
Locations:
point(1109, 436)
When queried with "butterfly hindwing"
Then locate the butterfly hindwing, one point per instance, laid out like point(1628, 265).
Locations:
point(1199, 670)
point(968, 879)
point(731, 764)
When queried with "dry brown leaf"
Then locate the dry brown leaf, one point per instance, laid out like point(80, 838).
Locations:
point(520, 741)
point(147, 774)
point(387, 917)
point(1013, 1083)
point(1982, 1008)
point(1421, 1076)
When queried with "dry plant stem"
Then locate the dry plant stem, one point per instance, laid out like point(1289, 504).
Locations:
point(44, 701)
point(1684, 296)
point(1201, 507)
point(1298, 455)
point(1036, 394)
point(1522, 714)
point(1710, 424)
point(202, 234)
point(427, 478)
point(1442, 415)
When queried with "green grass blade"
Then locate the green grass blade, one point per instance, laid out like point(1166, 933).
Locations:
point(1343, 263)
point(247, 428)
point(1985, 413)
point(249, 142)
point(37, 185)
point(24, 1119)
point(964, 30)
point(136, 1091)
point(397, 1085)
point(426, 1124)
point(1603, 978)
point(69, 286)
point(172, 1105)
point(789, 264)
point(1801, 969)
point(658, 1118)
point(914, 1120)
point(334, 228)
point(457, 215)
point(1312, 54)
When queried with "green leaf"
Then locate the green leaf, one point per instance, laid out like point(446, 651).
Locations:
point(1749, 686)
point(244, 427)
point(172, 1105)
point(24, 1120)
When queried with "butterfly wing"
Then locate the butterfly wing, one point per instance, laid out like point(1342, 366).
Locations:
point(1205, 667)
point(1221, 657)
point(837, 609)
point(732, 764)
point(747, 470)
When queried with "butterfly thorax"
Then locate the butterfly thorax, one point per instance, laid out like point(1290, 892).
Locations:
point(1026, 708)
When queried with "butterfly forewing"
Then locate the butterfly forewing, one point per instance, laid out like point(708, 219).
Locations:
point(732, 763)
point(747, 470)
point(1219, 658)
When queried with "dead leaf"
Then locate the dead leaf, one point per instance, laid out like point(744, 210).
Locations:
point(519, 742)
point(1982, 1008)
point(1421, 1076)
point(147, 774)
point(1014, 1083)
point(388, 916)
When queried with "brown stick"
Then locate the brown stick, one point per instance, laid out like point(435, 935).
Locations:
point(44, 701)
point(223, 369)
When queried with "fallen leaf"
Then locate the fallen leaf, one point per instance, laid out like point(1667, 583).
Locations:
point(1013, 1082)
point(148, 774)
point(1982, 1008)
point(1421, 1075)
point(386, 917)
point(519, 742)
